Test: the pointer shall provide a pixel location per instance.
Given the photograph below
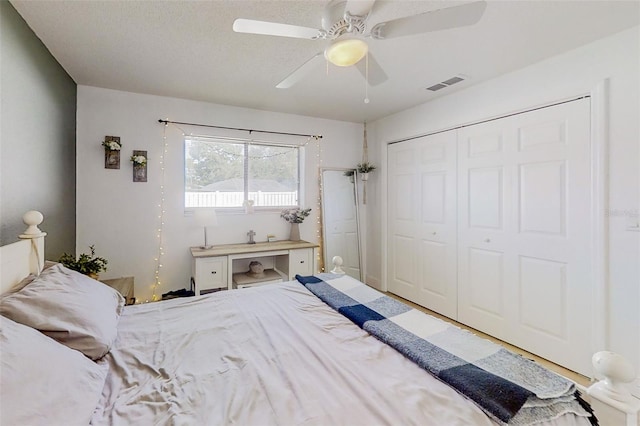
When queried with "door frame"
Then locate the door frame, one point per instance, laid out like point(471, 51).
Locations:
point(599, 168)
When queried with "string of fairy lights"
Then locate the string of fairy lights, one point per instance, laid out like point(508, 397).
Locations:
point(160, 253)
point(319, 207)
point(161, 207)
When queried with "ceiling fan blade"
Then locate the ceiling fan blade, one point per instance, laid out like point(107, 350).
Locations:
point(376, 73)
point(441, 19)
point(301, 72)
point(359, 7)
point(275, 29)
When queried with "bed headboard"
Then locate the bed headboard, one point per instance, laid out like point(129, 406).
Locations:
point(19, 259)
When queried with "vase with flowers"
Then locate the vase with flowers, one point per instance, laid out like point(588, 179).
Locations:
point(139, 160)
point(295, 217)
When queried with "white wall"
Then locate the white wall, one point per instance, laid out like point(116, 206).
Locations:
point(576, 72)
point(121, 217)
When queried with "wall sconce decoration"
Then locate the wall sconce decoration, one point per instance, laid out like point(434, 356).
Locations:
point(139, 160)
point(112, 148)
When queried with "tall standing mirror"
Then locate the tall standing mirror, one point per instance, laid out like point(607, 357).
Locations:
point(340, 222)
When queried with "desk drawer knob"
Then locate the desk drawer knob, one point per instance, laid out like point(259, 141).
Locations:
point(214, 272)
point(302, 261)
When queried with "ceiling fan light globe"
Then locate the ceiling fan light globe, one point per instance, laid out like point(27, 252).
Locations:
point(346, 52)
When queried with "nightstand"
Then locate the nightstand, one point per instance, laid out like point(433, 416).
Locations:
point(125, 286)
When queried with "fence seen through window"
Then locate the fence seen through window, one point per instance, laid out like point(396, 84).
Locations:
point(224, 174)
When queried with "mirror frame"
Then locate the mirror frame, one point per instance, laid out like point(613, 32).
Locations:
point(327, 262)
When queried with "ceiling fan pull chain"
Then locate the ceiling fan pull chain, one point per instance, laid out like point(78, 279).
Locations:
point(366, 79)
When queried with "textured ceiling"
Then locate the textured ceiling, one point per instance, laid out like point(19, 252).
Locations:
point(187, 49)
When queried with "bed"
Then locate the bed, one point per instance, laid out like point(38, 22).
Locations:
point(276, 354)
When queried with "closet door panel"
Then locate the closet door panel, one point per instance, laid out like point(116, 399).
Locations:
point(486, 279)
point(542, 198)
point(553, 236)
point(426, 223)
point(485, 198)
point(437, 229)
point(403, 219)
point(524, 198)
point(433, 271)
point(402, 274)
point(434, 192)
point(543, 283)
point(484, 209)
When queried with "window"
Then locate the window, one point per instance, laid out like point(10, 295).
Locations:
point(221, 173)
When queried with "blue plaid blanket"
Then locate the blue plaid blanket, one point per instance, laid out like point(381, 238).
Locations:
point(509, 388)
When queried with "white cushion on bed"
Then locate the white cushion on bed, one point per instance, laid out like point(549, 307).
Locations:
point(44, 382)
point(72, 308)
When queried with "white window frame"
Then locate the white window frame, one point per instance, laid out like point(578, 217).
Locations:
point(241, 209)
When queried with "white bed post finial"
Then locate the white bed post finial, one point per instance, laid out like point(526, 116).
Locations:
point(337, 265)
point(610, 398)
point(617, 373)
point(32, 218)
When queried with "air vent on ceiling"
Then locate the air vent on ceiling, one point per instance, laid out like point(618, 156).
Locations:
point(437, 87)
point(447, 83)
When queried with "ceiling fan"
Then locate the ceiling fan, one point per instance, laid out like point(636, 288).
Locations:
point(344, 24)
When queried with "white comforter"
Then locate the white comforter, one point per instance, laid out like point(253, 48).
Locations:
point(263, 356)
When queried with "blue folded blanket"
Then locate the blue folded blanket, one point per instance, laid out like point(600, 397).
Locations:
point(509, 388)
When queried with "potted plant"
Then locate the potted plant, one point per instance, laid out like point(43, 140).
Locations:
point(364, 169)
point(87, 264)
point(295, 217)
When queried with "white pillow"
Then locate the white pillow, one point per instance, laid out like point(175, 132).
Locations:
point(72, 308)
point(44, 382)
point(28, 279)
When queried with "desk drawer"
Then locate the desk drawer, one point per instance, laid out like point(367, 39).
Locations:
point(301, 262)
point(211, 273)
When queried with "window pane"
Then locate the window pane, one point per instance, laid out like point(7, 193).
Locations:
point(224, 174)
point(273, 175)
point(214, 174)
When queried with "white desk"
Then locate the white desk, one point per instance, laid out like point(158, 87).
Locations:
point(213, 269)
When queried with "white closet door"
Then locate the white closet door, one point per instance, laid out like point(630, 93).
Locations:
point(422, 222)
point(524, 231)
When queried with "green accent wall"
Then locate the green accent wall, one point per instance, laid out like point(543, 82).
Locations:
point(37, 137)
